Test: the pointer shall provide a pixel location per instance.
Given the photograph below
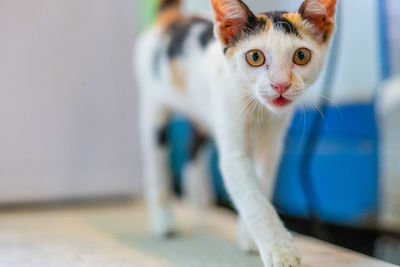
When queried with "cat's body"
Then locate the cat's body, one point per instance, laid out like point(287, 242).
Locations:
point(238, 88)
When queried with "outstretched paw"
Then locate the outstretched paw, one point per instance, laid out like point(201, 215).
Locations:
point(282, 255)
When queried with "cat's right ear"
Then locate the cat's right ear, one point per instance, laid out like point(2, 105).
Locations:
point(321, 15)
point(231, 19)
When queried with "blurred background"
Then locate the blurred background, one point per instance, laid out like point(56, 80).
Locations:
point(68, 127)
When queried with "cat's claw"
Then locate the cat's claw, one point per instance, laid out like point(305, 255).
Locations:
point(282, 256)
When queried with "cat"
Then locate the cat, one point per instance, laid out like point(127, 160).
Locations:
point(237, 78)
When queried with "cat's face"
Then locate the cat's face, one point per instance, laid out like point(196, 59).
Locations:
point(274, 57)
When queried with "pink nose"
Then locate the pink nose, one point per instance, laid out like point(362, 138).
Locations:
point(281, 88)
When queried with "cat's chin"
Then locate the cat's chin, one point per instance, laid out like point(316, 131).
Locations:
point(280, 109)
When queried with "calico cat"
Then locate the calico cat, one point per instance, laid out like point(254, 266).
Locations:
point(238, 79)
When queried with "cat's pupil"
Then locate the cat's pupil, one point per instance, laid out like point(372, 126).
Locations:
point(301, 55)
point(256, 56)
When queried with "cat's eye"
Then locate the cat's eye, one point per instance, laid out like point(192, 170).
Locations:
point(302, 56)
point(255, 58)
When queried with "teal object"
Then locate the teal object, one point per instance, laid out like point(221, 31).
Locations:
point(344, 165)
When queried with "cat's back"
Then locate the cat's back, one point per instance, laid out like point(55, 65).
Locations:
point(172, 42)
point(170, 59)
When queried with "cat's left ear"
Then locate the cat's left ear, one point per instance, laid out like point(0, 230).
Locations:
point(231, 19)
point(321, 15)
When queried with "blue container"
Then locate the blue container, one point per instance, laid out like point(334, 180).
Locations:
point(344, 167)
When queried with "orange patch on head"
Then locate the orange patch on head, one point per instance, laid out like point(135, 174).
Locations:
point(294, 18)
point(330, 6)
point(297, 20)
point(178, 75)
point(295, 81)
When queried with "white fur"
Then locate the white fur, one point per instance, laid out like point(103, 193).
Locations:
point(250, 142)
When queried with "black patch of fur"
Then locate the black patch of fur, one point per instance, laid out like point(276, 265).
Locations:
point(207, 35)
point(253, 26)
point(162, 136)
point(197, 142)
point(179, 32)
point(281, 23)
point(226, 49)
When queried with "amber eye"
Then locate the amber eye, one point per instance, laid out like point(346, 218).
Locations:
point(302, 56)
point(255, 58)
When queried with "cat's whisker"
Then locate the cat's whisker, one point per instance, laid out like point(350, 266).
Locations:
point(260, 115)
point(243, 111)
point(331, 101)
point(245, 106)
point(247, 100)
point(253, 111)
point(319, 111)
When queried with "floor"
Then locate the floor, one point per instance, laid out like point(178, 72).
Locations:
point(115, 235)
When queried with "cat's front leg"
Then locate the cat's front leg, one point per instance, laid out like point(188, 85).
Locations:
point(274, 242)
point(267, 144)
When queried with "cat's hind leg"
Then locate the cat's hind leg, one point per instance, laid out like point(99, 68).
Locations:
point(154, 141)
point(197, 174)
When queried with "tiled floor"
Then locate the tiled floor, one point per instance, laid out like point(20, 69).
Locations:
point(116, 236)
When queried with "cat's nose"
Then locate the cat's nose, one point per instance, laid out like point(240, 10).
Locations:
point(281, 88)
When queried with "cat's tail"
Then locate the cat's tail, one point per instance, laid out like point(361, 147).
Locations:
point(168, 11)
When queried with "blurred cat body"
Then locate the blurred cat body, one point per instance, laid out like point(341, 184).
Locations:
point(238, 80)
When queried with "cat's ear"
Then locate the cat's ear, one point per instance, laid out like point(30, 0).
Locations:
point(231, 19)
point(321, 15)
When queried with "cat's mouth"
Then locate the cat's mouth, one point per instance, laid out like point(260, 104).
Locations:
point(281, 102)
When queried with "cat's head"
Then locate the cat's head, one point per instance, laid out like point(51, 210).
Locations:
point(274, 56)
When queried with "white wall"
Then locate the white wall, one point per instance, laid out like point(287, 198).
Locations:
point(393, 9)
point(388, 110)
point(67, 99)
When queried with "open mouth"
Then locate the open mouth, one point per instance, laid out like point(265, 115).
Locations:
point(281, 101)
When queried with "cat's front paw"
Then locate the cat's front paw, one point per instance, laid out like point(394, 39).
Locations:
point(281, 255)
